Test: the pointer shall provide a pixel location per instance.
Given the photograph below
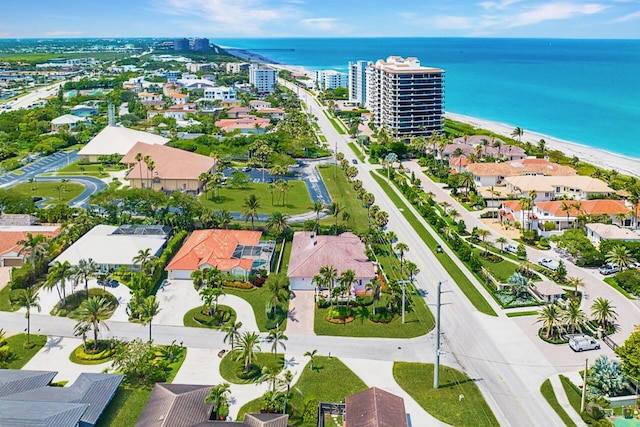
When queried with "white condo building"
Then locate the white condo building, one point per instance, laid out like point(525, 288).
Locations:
point(358, 81)
point(263, 78)
point(405, 97)
point(220, 93)
point(330, 79)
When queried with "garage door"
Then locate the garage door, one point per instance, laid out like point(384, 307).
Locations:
point(12, 262)
point(179, 274)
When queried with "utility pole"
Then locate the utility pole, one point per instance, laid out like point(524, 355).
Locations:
point(584, 385)
point(404, 284)
point(436, 367)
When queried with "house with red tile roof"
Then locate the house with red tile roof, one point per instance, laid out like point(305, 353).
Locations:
point(238, 252)
point(178, 98)
point(174, 169)
point(488, 174)
point(10, 235)
point(311, 252)
point(245, 124)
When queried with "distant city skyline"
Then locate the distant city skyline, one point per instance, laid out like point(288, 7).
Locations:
point(327, 18)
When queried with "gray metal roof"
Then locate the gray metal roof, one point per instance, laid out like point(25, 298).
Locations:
point(43, 414)
point(175, 405)
point(14, 381)
point(95, 390)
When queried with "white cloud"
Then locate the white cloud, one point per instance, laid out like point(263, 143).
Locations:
point(325, 24)
point(62, 33)
point(228, 16)
point(450, 22)
point(498, 4)
point(553, 11)
point(630, 17)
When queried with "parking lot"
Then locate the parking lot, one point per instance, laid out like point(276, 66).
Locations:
point(39, 166)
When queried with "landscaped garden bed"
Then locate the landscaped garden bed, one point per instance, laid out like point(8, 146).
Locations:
point(235, 371)
point(15, 352)
point(85, 354)
point(73, 302)
point(199, 317)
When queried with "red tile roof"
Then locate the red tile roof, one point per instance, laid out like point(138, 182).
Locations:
point(9, 239)
point(214, 248)
point(589, 207)
point(170, 163)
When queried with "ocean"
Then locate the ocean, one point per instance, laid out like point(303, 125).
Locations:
point(584, 91)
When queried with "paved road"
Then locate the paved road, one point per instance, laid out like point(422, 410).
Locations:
point(507, 366)
point(42, 165)
point(91, 185)
point(26, 100)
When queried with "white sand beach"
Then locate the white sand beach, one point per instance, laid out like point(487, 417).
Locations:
point(602, 158)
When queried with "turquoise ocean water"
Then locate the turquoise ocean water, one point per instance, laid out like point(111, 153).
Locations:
point(585, 91)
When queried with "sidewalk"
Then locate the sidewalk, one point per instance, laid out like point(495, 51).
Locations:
point(564, 401)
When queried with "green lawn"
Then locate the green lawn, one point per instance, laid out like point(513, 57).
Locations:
point(286, 256)
point(418, 322)
point(126, 406)
point(5, 301)
point(501, 271)
point(445, 403)
point(195, 318)
point(103, 350)
point(343, 193)
point(357, 152)
point(229, 367)
point(334, 123)
point(68, 192)
point(574, 394)
point(611, 281)
point(98, 170)
point(74, 300)
point(547, 391)
point(258, 298)
point(330, 381)
point(522, 313)
point(19, 355)
point(454, 271)
point(297, 201)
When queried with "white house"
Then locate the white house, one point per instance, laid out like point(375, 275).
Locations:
point(599, 232)
point(116, 140)
point(576, 187)
point(68, 120)
point(220, 93)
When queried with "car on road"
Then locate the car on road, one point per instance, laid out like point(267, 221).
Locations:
point(246, 169)
point(549, 263)
point(112, 283)
point(608, 268)
point(354, 161)
point(265, 338)
point(581, 342)
point(511, 249)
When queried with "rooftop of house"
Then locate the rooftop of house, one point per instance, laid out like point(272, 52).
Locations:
point(375, 408)
point(520, 167)
point(119, 139)
point(310, 252)
point(612, 232)
point(270, 110)
point(214, 248)
point(11, 235)
point(106, 248)
point(67, 119)
point(588, 207)
point(526, 183)
point(548, 288)
point(245, 122)
point(169, 162)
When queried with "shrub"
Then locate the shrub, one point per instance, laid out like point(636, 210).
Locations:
point(629, 280)
point(5, 353)
point(339, 312)
point(489, 214)
point(549, 226)
point(310, 415)
point(104, 351)
point(253, 372)
point(382, 315)
point(238, 284)
point(322, 303)
point(259, 281)
point(491, 257)
point(364, 300)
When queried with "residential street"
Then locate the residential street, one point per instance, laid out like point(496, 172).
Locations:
point(508, 366)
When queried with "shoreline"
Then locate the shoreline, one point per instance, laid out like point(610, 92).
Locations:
point(595, 156)
point(598, 157)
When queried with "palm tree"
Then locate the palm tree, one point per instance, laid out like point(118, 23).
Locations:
point(278, 337)
point(81, 330)
point(402, 249)
point(501, 240)
point(518, 132)
point(86, 269)
point(335, 209)
point(28, 298)
point(224, 218)
point(551, 318)
point(219, 398)
point(466, 180)
point(374, 287)
point(575, 282)
point(139, 160)
point(411, 269)
point(94, 312)
point(247, 345)
point(278, 223)
point(197, 276)
point(481, 232)
point(317, 207)
point(33, 246)
point(278, 287)
point(619, 255)
point(573, 316)
point(542, 145)
point(141, 259)
point(604, 313)
point(251, 206)
point(329, 275)
point(232, 333)
point(346, 279)
point(57, 276)
point(148, 309)
point(566, 207)
point(311, 355)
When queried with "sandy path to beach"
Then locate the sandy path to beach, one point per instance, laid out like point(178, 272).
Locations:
point(601, 158)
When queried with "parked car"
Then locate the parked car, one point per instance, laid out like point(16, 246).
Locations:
point(549, 263)
point(511, 249)
point(583, 342)
point(608, 268)
point(354, 161)
point(112, 283)
point(265, 338)
point(246, 169)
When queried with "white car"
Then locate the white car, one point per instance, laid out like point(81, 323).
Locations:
point(583, 342)
point(608, 268)
point(549, 263)
point(511, 249)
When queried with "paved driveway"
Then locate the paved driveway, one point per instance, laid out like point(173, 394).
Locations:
point(301, 311)
point(91, 185)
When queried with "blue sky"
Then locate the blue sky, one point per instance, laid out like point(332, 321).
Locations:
point(321, 18)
